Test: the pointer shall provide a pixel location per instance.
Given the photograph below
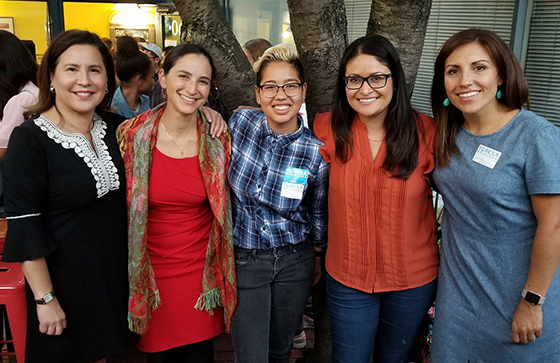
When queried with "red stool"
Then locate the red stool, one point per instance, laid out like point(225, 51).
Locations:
point(12, 295)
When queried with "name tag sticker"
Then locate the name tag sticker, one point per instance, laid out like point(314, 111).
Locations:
point(486, 156)
point(294, 182)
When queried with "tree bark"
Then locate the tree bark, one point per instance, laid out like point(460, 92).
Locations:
point(319, 29)
point(404, 23)
point(204, 23)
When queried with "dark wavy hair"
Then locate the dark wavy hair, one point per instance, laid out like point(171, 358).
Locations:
point(17, 67)
point(515, 91)
point(402, 121)
point(51, 58)
point(130, 61)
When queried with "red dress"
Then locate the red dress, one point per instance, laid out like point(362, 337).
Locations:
point(179, 221)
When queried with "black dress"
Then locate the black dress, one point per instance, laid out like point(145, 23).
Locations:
point(67, 203)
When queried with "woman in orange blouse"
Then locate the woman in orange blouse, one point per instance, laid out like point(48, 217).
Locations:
point(382, 260)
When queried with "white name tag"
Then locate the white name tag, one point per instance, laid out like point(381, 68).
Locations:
point(486, 156)
point(294, 182)
point(292, 190)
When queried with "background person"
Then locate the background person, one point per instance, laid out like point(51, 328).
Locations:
point(135, 71)
point(18, 85)
point(64, 190)
point(181, 251)
point(382, 260)
point(279, 183)
point(499, 173)
point(255, 48)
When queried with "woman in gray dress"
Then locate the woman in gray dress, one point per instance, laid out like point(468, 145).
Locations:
point(499, 173)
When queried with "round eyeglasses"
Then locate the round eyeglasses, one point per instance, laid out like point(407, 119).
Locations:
point(374, 81)
point(271, 90)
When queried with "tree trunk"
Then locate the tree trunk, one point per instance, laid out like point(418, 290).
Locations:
point(404, 23)
point(319, 29)
point(204, 23)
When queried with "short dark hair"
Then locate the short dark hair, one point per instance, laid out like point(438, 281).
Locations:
point(182, 50)
point(51, 58)
point(515, 91)
point(130, 61)
point(17, 67)
point(401, 123)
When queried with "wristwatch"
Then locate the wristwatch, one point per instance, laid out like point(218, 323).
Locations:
point(49, 296)
point(533, 297)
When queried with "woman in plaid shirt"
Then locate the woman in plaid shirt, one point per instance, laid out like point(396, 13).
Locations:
point(279, 183)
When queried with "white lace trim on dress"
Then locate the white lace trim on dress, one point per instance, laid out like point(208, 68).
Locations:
point(101, 164)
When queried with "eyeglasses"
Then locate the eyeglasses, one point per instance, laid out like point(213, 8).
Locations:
point(374, 81)
point(271, 90)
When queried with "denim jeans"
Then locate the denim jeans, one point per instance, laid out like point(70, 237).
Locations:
point(388, 321)
point(272, 287)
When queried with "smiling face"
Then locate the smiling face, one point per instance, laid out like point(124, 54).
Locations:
point(472, 80)
point(281, 110)
point(79, 80)
point(369, 104)
point(187, 83)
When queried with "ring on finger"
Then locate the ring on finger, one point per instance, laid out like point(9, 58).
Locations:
point(532, 339)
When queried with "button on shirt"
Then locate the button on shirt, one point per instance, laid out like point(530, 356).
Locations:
point(263, 218)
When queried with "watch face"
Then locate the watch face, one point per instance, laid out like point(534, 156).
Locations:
point(532, 298)
point(48, 298)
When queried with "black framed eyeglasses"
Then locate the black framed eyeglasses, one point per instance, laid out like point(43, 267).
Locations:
point(290, 89)
point(374, 81)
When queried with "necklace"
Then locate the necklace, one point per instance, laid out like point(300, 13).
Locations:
point(376, 140)
point(181, 149)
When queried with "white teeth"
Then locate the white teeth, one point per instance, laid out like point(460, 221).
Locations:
point(83, 94)
point(367, 100)
point(281, 108)
point(187, 99)
point(469, 94)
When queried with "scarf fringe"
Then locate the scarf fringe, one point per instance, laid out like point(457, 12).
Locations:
point(139, 325)
point(207, 301)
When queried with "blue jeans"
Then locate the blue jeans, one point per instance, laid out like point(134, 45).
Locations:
point(272, 287)
point(388, 321)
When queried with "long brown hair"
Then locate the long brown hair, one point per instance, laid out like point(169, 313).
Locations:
point(515, 91)
point(60, 44)
point(401, 123)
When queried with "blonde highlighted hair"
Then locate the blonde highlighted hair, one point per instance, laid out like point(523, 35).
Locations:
point(279, 53)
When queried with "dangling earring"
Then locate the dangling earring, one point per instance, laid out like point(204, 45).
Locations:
point(164, 92)
point(499, 93)
point(303, 99)
point(446, 102)
point(51, 88)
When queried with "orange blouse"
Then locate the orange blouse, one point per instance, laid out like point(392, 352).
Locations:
point(382, 230)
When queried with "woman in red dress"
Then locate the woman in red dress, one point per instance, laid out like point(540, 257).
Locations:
point(182, 275)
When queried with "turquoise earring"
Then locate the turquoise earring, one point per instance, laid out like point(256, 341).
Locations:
point(499, 94)
point(446, 102)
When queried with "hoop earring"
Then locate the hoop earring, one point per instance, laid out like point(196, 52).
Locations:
point(446, 102)
point(51, 88)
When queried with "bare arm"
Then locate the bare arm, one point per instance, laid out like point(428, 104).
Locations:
point(52, 320)
point(545, 257)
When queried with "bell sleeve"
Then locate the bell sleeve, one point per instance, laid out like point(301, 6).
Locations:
point(25, 183)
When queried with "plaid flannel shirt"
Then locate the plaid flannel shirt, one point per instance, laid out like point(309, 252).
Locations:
point(263, 219)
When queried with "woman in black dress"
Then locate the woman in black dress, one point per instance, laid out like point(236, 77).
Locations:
point(64, 191)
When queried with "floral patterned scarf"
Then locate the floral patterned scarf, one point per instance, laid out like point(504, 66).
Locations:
point(137, 138)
